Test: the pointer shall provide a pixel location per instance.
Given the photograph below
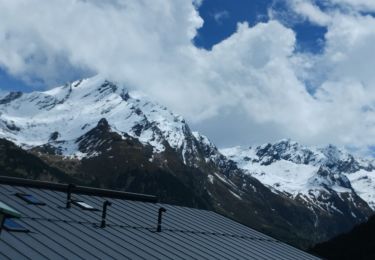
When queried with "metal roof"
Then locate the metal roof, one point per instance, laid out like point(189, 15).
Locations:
point(60, 233)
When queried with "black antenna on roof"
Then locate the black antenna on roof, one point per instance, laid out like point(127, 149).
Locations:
point(69, 195)
point(161, 210)
point(104, 213)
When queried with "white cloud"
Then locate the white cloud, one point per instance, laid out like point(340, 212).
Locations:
point(347, 83)
point(311, 11)
point(359, 5)
point(220, 16)
point(254, 78)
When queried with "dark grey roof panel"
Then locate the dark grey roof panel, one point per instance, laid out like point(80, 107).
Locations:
point(57, 232)
point(9, 251)
point(49, 229)
point(96, 244)
point(22, 247)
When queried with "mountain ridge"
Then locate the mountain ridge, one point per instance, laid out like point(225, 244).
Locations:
point(284, 164)
point(96, 132)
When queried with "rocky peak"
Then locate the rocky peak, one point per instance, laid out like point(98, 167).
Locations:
point(10, 97)
point(97, 139)
point(284, 149)
point(103, 124)
point(339, 161)
point(326, 177)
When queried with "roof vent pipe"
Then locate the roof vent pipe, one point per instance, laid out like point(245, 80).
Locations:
point(161, 210)
point(69, 196)
point(2, 220)
point(104, 213)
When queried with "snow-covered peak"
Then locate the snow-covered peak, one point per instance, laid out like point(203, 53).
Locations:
point(284, 149)
point(69, 111)
point(296, 170)
point(206, 144)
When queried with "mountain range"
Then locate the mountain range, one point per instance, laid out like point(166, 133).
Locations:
point(95, 132)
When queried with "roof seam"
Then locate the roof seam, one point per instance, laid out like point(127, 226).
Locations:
point(152, 229)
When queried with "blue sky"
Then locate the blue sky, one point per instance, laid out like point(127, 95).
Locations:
point(9, 83)
point(221, 18)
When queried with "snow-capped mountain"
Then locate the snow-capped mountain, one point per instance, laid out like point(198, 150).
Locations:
point(61, 115)
point(96, 132)
point(308, 174)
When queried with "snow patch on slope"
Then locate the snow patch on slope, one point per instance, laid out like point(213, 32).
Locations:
point(363, 183)
point(283, 175)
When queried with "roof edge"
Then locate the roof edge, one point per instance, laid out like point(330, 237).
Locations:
point(13, 181)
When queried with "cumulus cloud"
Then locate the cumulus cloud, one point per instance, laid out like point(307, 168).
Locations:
point(342, 74)
point(252, 84)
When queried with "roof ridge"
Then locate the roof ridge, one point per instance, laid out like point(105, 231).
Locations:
point(78, 189)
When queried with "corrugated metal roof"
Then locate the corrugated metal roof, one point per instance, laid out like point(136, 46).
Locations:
point(58, 233)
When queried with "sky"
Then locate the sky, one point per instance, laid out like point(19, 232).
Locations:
point(241, 72)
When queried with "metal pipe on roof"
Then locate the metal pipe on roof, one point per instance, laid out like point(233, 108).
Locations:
point(2, 220)
point(69, 196)
point(161, 210)
point(104, 213)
